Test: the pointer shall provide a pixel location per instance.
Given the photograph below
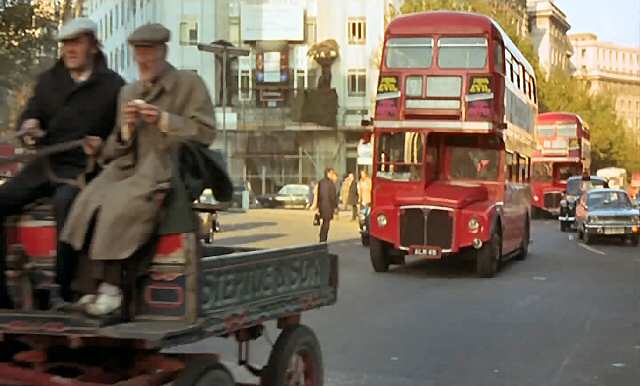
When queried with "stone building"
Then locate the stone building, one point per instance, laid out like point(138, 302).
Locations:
point(549, 26)
point(610, 68)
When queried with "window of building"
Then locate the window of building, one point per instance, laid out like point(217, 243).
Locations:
point(117, 16)
point(189, 33)
point(300, 81)
point(311, 30)
point(357, 30)
point(234, 30)
point(245, 85)
point(357, 82)
point(123, 53)
point(110, 23)
point(584, 52)
point(116, 60)
point(123, 14)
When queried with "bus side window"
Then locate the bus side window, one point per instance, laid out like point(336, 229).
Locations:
point(498, 57)
point(508, 166)
point(522, 169)
point(433, 158)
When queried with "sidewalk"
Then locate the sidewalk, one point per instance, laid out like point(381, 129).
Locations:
point(276, 228)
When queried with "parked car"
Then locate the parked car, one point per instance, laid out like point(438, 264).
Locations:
point(364, 219)
point(575, 187)
point(290, 196)
point(607, 213)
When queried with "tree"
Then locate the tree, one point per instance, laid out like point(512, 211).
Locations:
point(27, 47)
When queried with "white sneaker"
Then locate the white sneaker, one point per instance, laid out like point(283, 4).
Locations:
point(84, 300)
point(109, 300)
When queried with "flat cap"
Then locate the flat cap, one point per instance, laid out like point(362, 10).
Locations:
point(149, 35)
point(77, 27)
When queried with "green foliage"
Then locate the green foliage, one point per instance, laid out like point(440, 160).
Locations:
point(27, 42)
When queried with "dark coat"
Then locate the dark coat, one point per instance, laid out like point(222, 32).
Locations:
point(196, 167)
point(352, 197)
point(327, 198)
point(68, 111)
point(139, 168)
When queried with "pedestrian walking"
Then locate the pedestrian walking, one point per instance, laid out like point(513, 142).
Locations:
point(327, 201)
point(312, 194)
point(352, 196)
point(344, 191)
point(76, 98)
point(364, 189)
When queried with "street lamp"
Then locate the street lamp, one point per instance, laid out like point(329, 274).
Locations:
point(226, 52)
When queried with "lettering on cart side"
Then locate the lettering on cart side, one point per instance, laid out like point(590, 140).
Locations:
point(225, 287)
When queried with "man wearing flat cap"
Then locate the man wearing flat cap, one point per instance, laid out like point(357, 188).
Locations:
point(119, 211)
point(74, 99)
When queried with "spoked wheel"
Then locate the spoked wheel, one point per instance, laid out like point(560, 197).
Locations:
point(202, 372)
point(296, 359)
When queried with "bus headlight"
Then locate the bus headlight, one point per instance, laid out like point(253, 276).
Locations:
point(474, 225)
point(382, 220)
point(536, 198)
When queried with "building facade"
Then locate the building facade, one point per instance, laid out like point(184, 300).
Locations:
point(613, 69)
point(549, 26)
point(190, 21)
point(268, 145)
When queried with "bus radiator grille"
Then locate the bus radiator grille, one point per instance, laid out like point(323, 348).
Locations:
point(552, 200)
point(426, 227)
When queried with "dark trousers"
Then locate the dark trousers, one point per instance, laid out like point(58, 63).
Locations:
point(354, 212)
point(324, 229)
point(29, 185)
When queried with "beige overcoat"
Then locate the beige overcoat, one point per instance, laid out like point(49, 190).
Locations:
point(121, 198)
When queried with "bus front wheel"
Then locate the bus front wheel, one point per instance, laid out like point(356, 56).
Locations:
point(379, 252)
point(488, 257)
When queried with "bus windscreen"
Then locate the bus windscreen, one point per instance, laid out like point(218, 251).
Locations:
point(400, 156)
point(462, 52)
point(409, 53)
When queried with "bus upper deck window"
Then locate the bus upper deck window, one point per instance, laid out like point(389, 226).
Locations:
point(409, 53)
point(462, 52)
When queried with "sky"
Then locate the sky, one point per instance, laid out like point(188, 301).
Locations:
point(616, 21)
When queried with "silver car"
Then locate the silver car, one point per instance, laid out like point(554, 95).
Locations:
point(604, 213)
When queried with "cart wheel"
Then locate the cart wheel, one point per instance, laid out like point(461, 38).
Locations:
point(296, 359)
point(202, 372)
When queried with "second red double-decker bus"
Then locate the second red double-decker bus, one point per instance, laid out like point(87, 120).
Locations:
point(563, 150)
point(454, 123)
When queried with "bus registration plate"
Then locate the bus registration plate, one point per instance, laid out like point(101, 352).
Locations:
point(428, 252)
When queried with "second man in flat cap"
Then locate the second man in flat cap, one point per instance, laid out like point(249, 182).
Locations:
point(163, 107)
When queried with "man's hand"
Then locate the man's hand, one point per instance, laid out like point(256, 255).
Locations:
point(92, 145)
point(150, 113)
point(130, 113)
point(31, 131)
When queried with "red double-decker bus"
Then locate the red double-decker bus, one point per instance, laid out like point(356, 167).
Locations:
point(563, 150)
point(453, 128)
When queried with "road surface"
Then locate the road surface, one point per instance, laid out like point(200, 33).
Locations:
point(568, 315)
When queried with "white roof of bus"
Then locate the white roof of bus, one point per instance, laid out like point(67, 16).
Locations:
point(513, 49)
